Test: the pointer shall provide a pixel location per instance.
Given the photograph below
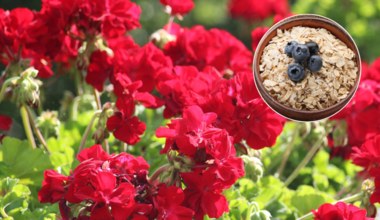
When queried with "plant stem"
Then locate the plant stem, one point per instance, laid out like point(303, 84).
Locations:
point(97, 99)
point(87, 131)
point(305, 161)
point(36, 130)
point(74, 109)
point(26, 123)
point(78, 82)
point(307, 216)
point(158, 172)
point(170, 22)
point(352, 198)
point(287, 152)
point(3, 213)
point(106, 145)
point(4, 73)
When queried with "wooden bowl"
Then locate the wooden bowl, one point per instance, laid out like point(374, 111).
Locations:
point(313, 21)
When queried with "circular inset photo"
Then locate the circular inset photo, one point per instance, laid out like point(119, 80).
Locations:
point(307, 67)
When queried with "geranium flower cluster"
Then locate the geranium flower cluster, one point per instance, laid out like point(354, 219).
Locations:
point(56, 32)
point(133, 72)
point(219, 80)
point(361, 124)
point(212, 165)
point(116, 187)
point(340, 210)
point(253, 10)
point(91, 35)
point(178, 7)
point(368, 157)
point(199, 47)
point(360, 115)
point(202, 77)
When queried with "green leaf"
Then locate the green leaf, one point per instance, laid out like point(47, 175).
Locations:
point(15, 196)
point(62, 155)
point(19, 160)
point(7, 184)
point(46, 213)
point(270, 189)
point(320, 181)
point(307, 198)
point(247, 188)
point(238, 208)
point(328, 175)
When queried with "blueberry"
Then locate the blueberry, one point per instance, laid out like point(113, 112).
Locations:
point(289, 47)
point(313, 47)
point(315, 63)
point(300, 53)
point(296, 72)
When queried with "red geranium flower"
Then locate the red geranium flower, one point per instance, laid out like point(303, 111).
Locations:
point(144, 64)
point(5, 122)
point(203, 194)
point(199, 47)
point(105, 186)
point(262, 126)
point(187, 132)
point(52, 187)
point(256, 36)
point(215, 165)
point(101, 188)
point(180, 7)
point(99, 69)
point(252, 10)
point(13, 26)
point(374, 70)
point(127, 129)
point(128, 165)
point(367, 155)
point(339, 211)
point(5, 125)
point(14, 40)
point(184, 87)
point(116, 16)
point(169, 204)
point(95, 152)
point(361, 113)
point(375, 173)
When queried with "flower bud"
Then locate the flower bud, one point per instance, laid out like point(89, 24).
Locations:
point(161, 37)
point(26, 88)
point(241, 149)
point(66, 103)
point(183, 163)
point(49, 123)
point(101, 133)
point(368, 187)
point(85, 103)
point(253, 167)
point(100, 43)
point(261, 215)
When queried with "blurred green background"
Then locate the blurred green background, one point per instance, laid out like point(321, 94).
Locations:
point(360, 17)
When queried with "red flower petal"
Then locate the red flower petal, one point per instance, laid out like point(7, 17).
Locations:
point(95, 152)
point(5, 122)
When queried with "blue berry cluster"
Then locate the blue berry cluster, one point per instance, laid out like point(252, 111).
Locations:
point(305, 56)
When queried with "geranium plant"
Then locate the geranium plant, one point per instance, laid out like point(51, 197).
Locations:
point(172, 128)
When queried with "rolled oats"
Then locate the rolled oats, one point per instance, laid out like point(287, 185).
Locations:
point(318, 90)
